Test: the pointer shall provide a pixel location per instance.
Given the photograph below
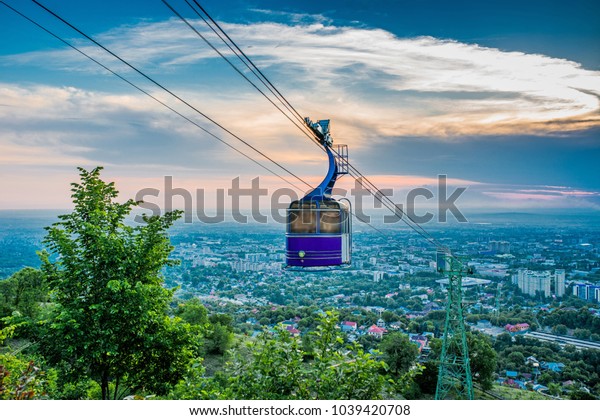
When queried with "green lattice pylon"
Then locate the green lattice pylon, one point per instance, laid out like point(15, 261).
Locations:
point(454, 376)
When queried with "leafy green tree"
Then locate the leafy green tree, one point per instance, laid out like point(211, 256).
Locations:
point(196, 386)
point(581, 395)
point(398, 352)
point(219, 339)
point(554, 389)
point(427, 380)
point(483, 359)
point(273, 371)
point(560, 329)
point(279, 368)
point(343, 372)
point(516, 358)
point(413, 327)
point(218, 334)
point(111, 322)
point(193, 312)
point(582, 333)
point(389, 317)
point(23, 292)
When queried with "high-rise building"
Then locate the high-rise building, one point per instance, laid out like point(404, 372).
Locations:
point(500, 247)
point(559, 282)
point(587, 291)
point(531, 282)
point(581, 291)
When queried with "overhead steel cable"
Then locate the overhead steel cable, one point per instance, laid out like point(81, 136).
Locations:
point(58, 37)
point(184, 20)
point(397, 211)
point(248, 62)
point(235, 49)
point(354, 172)
point(390, 205)
point(374, 190)
point(141, 73)
point(154, 97)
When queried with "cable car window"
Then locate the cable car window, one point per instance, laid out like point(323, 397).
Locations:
point(302, 221)
point(329, 221)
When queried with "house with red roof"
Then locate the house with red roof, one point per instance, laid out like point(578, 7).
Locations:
point(517, 328)
point(294, 332)
point(349, 326)
point(376, 331)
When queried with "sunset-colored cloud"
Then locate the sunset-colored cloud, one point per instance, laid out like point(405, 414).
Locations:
point(371, 81)
point(377, 89)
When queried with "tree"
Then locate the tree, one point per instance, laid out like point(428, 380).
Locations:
point(111, 322)
point(516, 358)
point(389, 317)
point(560, 329)
point(582, 333)
point(279, 368)
point(193, 312)
point(219, 339)
point(23, 292)
point(554, 389)
point(413, 326)
point(427, 380)
point(219, 334)
point(482, 359)
point(398, 352)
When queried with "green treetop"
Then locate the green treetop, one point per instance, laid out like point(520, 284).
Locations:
point(111, 322)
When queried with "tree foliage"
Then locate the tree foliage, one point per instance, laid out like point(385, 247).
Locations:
point(23, 292)
point(398, 352)
point(21, 380)
point(277, 366)
point(483, 359)
point(111, 321)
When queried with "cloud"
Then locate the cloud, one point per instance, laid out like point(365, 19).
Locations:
point(374, 86)
point(541, 196)
point(63, 124)
point(373, 82)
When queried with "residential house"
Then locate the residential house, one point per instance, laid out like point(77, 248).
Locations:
point(376, 331)
point(294, 332)
point(515, 329)
point(553, 366)
point(349, 326)
point(420, 340)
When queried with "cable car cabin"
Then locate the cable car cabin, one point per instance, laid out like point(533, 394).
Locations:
point(319, 229)
point(318, 233)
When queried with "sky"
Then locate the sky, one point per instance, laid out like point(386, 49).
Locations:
point(501, 97)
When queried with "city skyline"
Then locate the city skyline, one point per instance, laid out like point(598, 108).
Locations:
point(503, 100)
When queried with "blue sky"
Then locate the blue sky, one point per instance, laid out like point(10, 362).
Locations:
point(503, 97)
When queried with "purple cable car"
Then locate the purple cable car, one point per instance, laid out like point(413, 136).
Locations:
point(319, 228)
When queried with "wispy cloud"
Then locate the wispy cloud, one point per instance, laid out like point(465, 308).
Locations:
point(541, 196)
point(375, 87)
point(387, 85)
